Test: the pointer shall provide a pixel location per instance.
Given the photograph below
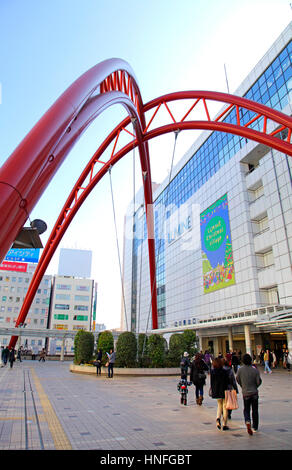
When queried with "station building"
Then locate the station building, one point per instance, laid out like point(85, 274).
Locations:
point(223, 229)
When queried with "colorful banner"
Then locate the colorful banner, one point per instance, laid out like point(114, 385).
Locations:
point(19, 267)
point(29, 255)
point(217, 257)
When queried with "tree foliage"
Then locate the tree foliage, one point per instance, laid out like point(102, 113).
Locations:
point(157, 347)
point(126, 350)
point(83, 347)
point(105, 342)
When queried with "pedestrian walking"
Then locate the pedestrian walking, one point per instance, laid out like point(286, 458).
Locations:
point(11, 357)
point(5, 355)
point(235, 361)
point(289, 361)
point(111, 360)
point(266, 361)
point(274, 360)
point(184, 365)
point(232, 385)
point(208, 360)
point(19, 352)
point(98, 362)
point(248, 377)
point(42, 355)
point(198, 377)
point(219, 381)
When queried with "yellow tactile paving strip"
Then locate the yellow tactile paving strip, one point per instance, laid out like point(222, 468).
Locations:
point(59, 436)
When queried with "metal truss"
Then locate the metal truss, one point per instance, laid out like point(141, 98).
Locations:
point(109, 83)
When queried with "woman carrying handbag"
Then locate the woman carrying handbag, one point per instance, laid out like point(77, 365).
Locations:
point(219, 383)
point(231, 401)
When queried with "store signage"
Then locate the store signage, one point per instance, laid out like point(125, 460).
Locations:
point(19, 267)
point(179, 229)
point(29, 255)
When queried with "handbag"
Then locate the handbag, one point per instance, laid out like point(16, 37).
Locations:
point(231, 399)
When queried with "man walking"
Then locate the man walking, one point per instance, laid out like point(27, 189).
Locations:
point(249, 379)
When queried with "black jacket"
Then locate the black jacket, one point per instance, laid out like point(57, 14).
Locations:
point(197, 374)
point(219, 382)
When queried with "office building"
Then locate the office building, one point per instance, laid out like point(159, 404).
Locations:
point(223, 228)
point(13, 287)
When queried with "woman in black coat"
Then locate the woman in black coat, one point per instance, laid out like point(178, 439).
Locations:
point(198, 377)
point(219, 383)
point(11, 357)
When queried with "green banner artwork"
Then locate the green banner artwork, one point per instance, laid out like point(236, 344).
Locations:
point(217, 256)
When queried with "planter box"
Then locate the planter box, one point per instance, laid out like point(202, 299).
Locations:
point(126, 372)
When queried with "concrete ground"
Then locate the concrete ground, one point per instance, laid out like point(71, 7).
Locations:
point(43, 406)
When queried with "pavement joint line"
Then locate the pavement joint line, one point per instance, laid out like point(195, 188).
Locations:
point(58, 434)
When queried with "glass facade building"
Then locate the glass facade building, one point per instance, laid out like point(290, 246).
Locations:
point(219, 164)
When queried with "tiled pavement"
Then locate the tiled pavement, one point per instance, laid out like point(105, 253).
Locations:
point(82, 412)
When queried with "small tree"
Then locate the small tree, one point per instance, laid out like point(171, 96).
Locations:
point(83, 347)
point(176, 350)
point(126, 349)
point(156, 350)
point(105, 342)
point(189, 342)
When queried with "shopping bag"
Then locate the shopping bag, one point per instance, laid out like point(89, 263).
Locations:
point(231, 400)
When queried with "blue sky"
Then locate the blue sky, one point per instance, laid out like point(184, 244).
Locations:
point(171, 46)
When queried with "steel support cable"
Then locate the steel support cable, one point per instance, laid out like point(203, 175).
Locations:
point(117, 242)
point(164, 213)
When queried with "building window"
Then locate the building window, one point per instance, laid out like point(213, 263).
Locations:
point(63, 296)
point(61, 316)
point(63, 287)
point(82, 288)
point(84, 298)
point(80, 317)
point(62, 306)
point(83, 308)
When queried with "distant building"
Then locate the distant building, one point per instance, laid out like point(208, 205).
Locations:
point(76, 263)
point(13, 287)
point(71, 308)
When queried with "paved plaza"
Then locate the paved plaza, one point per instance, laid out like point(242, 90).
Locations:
point(44, 406)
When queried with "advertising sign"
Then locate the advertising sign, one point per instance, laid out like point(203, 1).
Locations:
point(28, 255)
point(19, 267)
point(217, 257)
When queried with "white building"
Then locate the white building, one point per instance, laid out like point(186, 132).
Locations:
point(223, 233)
point(13, 288)
point(71, 308)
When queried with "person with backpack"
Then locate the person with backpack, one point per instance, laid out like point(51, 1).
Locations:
point(184, 365)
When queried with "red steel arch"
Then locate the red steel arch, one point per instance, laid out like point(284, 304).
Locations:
point(272, 124)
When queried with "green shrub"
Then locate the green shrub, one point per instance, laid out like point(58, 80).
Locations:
point(157, 347)
point(126, 350)
point(83, 347)
point(105, 342)
point(176, 350)
point(189, 342)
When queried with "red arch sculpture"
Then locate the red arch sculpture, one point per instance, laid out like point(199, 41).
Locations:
point(116, 84)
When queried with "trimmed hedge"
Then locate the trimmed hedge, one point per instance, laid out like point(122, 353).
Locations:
point(145, 351)
point(105, 342)
point(126, 350)
point(83, 347)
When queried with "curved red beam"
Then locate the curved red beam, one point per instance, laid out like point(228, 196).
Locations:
point(28, 171)
point(116, 82)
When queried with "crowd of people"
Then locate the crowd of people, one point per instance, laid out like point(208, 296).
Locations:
point(10, 355)
point(226, 373)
